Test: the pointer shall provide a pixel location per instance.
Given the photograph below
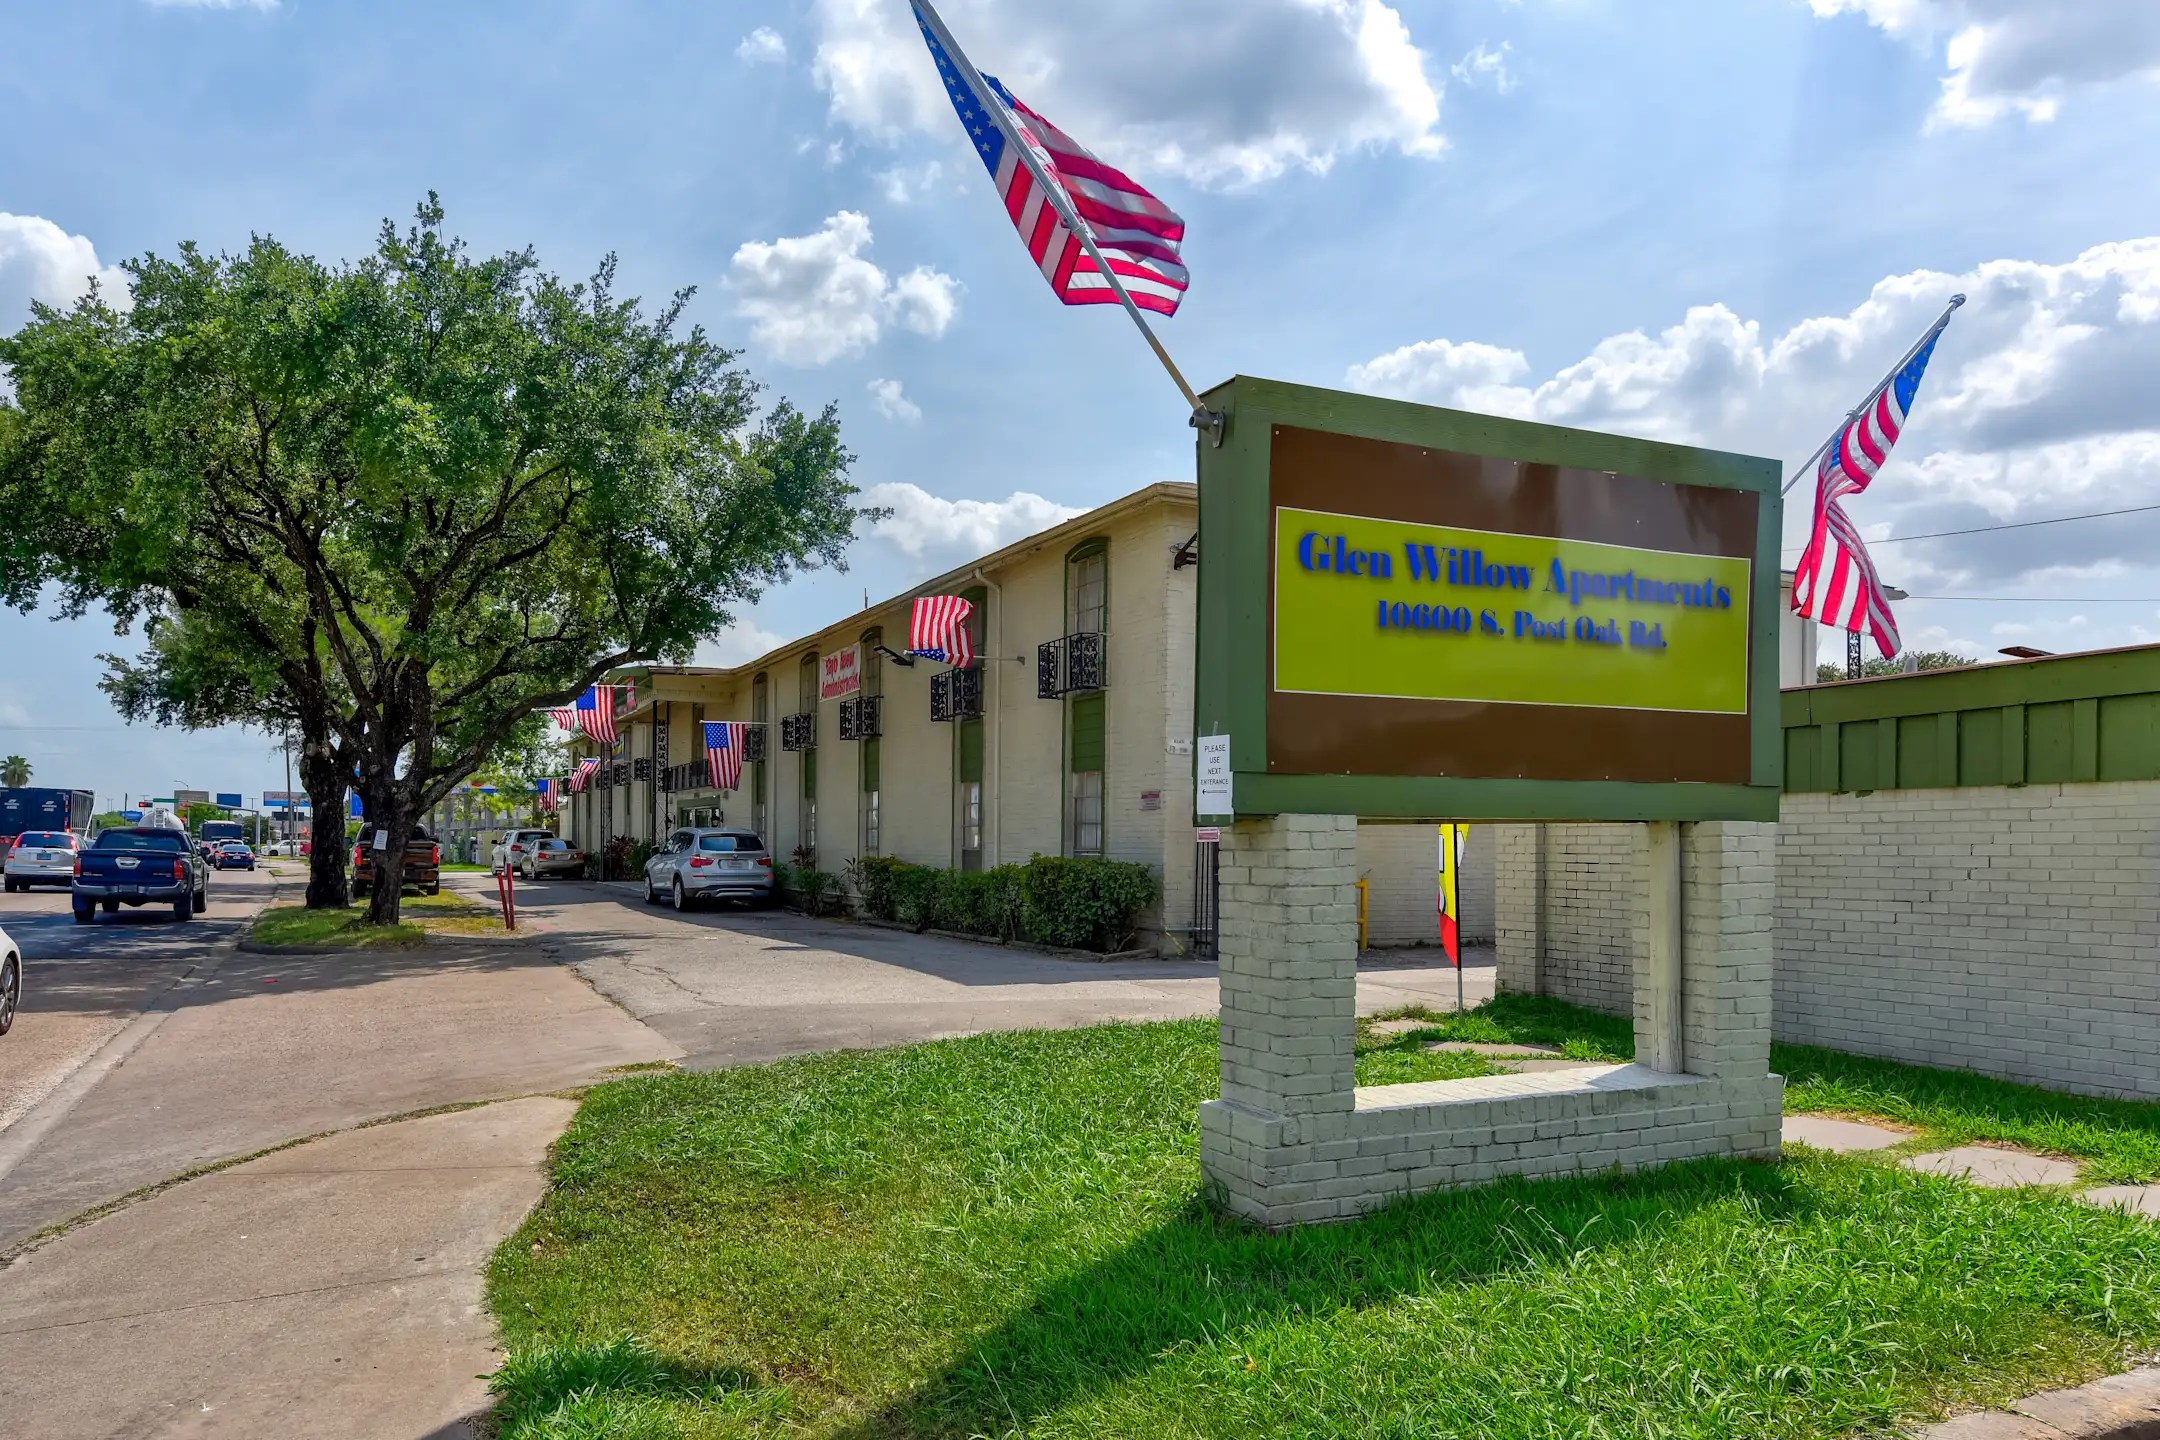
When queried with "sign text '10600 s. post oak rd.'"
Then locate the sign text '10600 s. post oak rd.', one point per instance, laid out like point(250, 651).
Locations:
point(1414, 612)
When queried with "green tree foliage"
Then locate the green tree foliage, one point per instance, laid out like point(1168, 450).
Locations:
point(1922, 660)
point(15, 771)
point(432, 492)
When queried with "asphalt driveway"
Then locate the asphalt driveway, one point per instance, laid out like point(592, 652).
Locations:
point(734, 987)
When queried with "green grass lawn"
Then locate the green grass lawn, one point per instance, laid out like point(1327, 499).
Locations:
point(1006, 1235)
point(419, 916)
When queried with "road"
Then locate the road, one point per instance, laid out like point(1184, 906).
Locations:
point(736, 987)
point(84, 983)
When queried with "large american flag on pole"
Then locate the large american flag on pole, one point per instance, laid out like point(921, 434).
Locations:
point(596, 714)
point(938, 630)
point(1139, 235)
point(1835, 581)
point(724, 753)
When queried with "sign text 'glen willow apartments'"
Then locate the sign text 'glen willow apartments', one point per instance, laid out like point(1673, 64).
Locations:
point(1409, 612)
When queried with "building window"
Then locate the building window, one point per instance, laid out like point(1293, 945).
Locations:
point(969, 773)
point(1085, 757)
point(971, 825)
point(873, 663)
point(978, 621)
point(1087, 589)
point(870, 757)
point(1087, 824)
point(760, 713)
point(809, 799)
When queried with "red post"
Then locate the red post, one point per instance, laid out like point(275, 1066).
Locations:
point(506, 889)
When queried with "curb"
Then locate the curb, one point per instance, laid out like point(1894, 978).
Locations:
point(2120, 1407)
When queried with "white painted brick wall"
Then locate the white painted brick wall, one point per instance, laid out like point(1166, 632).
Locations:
point(1399, 862)
point(2010, 931)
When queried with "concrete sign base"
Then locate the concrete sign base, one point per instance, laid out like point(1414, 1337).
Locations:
point(1295, 1139)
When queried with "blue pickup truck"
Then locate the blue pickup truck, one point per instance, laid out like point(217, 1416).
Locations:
point(146, 865)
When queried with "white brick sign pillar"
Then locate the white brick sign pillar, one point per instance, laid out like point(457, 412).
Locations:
point(1294, 1139)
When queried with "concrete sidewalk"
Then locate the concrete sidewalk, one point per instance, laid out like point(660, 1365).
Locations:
point(331, 1289)
point(268, 1049)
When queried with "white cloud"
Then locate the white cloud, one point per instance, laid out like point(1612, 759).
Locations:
point(1224, 94)
point(2037, 405)
point(743, 642)
point(762, 46)
point(40, 261)
point(1487, 65)
point(905, 184)
point(925, 525)
point(890, 400)
point(2021, 57)
point(813, 299)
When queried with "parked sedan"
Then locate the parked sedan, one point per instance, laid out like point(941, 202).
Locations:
point(509, 852)
point(551, 857)
point(41, 857)
point(10, 982)
point(233, 855)
point(710, 865)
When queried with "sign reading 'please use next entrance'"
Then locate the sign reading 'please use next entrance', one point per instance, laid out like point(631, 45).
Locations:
point(1408, 612)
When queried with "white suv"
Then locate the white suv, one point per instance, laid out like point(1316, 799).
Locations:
point(510, 851)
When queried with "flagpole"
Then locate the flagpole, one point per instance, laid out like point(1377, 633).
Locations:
point(1881, 385)
point(1202, 417)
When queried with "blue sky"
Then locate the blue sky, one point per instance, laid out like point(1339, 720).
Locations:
point(1708, 220)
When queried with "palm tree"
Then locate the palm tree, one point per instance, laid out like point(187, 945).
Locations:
point(14, 772)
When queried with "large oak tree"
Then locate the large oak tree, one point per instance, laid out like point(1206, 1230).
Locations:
point(456, 489)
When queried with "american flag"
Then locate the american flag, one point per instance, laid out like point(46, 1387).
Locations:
point(938, 630)
point(596, 713)
point(1835, 581)
point(581, 775)
point(1138, 234)
point(544, 794)
point(724, 753)
point(565, 716)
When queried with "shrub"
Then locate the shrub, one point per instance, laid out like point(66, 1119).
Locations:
point(819, 889)
point(984, 902)
point(915, 889)
point(876, 879)
point(1083, 904)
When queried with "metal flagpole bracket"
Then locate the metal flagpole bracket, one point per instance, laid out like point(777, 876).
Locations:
point(1210, 423)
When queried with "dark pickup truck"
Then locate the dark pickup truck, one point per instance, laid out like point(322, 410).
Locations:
point(146, 865)
point(422, 870)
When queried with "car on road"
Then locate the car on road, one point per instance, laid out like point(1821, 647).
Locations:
point(140, 865)
point(509, 851)
point(551, 857)
point(41, 857)
point(11, 982)
point(232, 855)
point(710, 865)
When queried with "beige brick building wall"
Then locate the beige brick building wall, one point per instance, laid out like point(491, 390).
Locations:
point(2010, 931)
point(1399, 864)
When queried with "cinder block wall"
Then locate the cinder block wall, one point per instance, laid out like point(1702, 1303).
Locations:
point(2010, 931)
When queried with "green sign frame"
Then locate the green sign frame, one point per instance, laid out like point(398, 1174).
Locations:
point(1242, 484)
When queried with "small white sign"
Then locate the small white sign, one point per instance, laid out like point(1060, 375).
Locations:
point(382, 840)
point(1213, 795)
point(1181, 747)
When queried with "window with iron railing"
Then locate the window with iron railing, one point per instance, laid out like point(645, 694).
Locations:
point(799, 732)
point(861, 718)
point(956, 695)
point(1070, 665)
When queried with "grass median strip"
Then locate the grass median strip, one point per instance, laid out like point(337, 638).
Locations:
point(1007, 1235)
point(295, 926)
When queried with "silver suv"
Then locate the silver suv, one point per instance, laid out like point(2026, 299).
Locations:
point(510, 851)
point(710, 865)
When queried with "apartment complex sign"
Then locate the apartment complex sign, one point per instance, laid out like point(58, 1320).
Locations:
point(1412, 612)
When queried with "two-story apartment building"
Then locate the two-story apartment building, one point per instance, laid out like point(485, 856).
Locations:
point(1072, 735)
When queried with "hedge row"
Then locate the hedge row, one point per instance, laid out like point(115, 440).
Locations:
point(1051, 900)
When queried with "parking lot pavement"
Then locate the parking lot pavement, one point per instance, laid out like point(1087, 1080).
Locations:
point(83, 984)
point(733, 987)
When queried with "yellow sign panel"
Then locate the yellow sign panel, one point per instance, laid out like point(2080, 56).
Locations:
point(1429, 612)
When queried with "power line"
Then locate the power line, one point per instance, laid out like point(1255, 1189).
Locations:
point(2007, 525)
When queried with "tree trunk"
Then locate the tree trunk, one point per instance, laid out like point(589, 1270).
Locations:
point(391, 806)
point(322, 774)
